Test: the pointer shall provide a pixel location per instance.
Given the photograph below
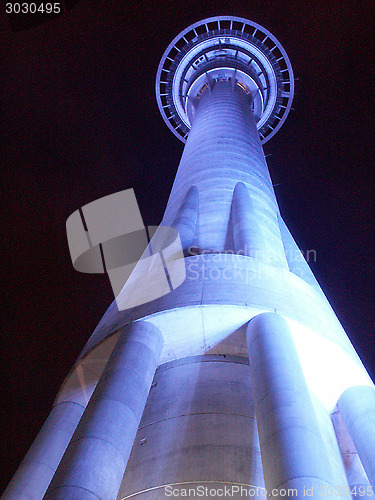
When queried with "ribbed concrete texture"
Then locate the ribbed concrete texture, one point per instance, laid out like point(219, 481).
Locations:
point(222, 149)
point(41, 461)
point(357, 406)
point(198, 429)
point(292, 449)
point(357, 478)
point(247, 234)
point(96, 457)
point(187, 217)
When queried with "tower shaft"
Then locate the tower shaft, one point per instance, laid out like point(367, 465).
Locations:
point(223, 148)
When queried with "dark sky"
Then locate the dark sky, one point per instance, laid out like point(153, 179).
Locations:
point(80, 121)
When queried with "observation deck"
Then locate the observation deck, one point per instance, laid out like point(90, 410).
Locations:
point(231, 49)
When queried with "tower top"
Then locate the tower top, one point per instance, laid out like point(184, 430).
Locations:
point(225, 48)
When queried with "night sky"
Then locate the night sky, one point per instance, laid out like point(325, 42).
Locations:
point(79, 121)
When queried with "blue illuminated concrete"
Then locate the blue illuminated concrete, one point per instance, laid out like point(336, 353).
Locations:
point(222, 149)
point(357, 406)
point(95, 460)
point(186, 219)
point(222, 200)
point(356, 475)
point(292, 448)
point(223, 183)
point(247, 234)
point(198, 425)
point(41, 461)
point(198, 429)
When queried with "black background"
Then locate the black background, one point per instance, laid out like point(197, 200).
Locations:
point(80, 121)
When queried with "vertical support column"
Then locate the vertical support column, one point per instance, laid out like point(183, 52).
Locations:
point(96, 458)
point(357, 407)
point(247, 234)
point(292, 449)
point(246, 231)
point(187, 217)
point(41, 461)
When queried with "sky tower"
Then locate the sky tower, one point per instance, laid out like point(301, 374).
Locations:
point(241, 379)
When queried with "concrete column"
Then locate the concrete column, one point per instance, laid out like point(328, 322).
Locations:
point(247, 235)
point(41, 461)
point(187, 217)
point(292, 449)
point(95, 460)
point(357, 406)
point(246, 231)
